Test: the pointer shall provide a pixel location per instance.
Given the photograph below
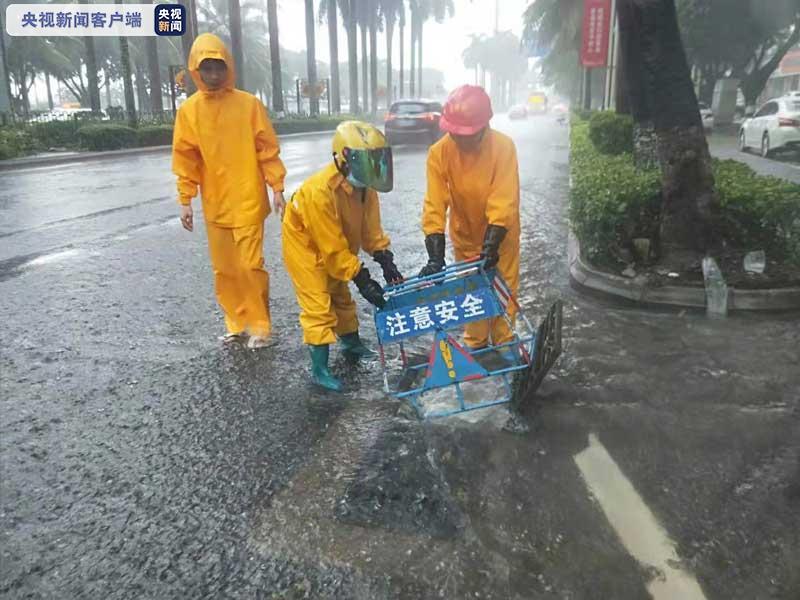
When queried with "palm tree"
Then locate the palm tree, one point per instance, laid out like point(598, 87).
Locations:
point(5, 75)
point(373, 54)
point(91, 70)
point(275, 56)
point(439, 10)
point(363, 23)
point(390, 12)
point(235, 28)
point(333, 37)
point(125, 59)
point(349, 10)
point(402, 25)
point(154, 74)
point(311, 59)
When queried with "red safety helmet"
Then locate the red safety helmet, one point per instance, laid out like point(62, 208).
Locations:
point(468, 110)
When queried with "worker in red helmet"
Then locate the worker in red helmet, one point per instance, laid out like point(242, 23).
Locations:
point(473, 175)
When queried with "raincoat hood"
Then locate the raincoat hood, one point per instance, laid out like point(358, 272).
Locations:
point(207, 45)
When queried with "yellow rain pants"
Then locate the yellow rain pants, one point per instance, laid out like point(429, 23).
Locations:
point(240, 280)
point(224, 144)
point(477, 190)
point(326, 223)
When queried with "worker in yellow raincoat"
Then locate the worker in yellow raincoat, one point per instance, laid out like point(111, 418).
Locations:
point(225, 144)
point(473, 175)
point(333, 215)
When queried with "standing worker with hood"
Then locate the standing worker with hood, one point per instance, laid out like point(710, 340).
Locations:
point(333, 215)
point(225, 144)
point(473, 174)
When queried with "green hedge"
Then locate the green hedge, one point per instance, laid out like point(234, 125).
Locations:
point(99, 138)
point(154, 135)
point(16, 142)
point(611, 133)
point(611, 203)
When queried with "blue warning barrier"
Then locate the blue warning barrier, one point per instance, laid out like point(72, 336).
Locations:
point(434, 306)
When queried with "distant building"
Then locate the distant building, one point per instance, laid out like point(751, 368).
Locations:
point(786, 77)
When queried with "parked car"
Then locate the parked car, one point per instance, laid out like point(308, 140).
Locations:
point(518, 111)
point(413, 121)
point(707, 115)
point(774, 126)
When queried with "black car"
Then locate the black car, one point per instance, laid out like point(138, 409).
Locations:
point(413, 121)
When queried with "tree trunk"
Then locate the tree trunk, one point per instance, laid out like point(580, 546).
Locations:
point(186, 45)
point(402, 58)
point(235, 25)
point(389, 74)
point(154, 74)
point(621, 94)
point(311, 59)
point(753, 83)
point(5, 74)
point(587, 88)
point(373, 60)
point(275, 56)
point(141, 88)
point(107, 85)
point(91, 70)
point(352, 62)
point(419, 63)
point(50, 104)
point(690, 203)
point(412, 84)
point(364, 66)
point(125, 63)
point(333, 37)
point(23, 90)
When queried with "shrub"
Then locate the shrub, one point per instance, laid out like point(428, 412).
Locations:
point(759, 213)
point(106, 137)
point(57, 134)
point(154, 135)
point(301, 125)
point(611, 202)
point(611, 133)
point(15, 142)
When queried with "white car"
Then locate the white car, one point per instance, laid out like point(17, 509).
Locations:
point(774, 126)
point(707, 115)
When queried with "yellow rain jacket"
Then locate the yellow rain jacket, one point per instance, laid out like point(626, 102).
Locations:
point(477, 189)
point(327, 223)
point(224, 143)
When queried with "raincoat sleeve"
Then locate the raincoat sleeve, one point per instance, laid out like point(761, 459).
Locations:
point(187, 162)
point(323, 224)
point(434, 211)
point(267, 148)
point(373, 237)
point(502, 206)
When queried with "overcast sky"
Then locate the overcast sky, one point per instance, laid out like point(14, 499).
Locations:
point(443, 43)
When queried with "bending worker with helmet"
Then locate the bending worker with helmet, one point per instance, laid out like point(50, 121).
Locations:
point(333, 215)
point(473, 174)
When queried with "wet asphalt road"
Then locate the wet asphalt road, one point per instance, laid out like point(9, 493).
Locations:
point(141, 459)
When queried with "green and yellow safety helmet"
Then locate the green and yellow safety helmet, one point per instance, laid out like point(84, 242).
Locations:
point(362, 154)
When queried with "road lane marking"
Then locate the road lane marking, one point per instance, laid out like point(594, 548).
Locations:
point(638, 529)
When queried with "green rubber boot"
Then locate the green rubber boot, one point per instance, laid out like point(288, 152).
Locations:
point(319, 368)
point(353, 347)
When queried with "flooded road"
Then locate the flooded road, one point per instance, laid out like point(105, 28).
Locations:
point(141, 459)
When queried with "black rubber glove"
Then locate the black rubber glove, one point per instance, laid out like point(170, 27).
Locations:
point(434, 243)
point(495, 234)
point(369, 288)
point(385, 259)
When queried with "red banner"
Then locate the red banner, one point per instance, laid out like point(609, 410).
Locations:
point(596, 29)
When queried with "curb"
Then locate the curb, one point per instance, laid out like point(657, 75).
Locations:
point(76, 157)
point(637, 290)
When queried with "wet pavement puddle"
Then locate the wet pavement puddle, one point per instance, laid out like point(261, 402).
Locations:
point(641, 534)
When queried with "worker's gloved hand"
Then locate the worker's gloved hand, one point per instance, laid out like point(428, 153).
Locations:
point(434, 243)
point(495, 234)
point(390, 271)
point(369, 288)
